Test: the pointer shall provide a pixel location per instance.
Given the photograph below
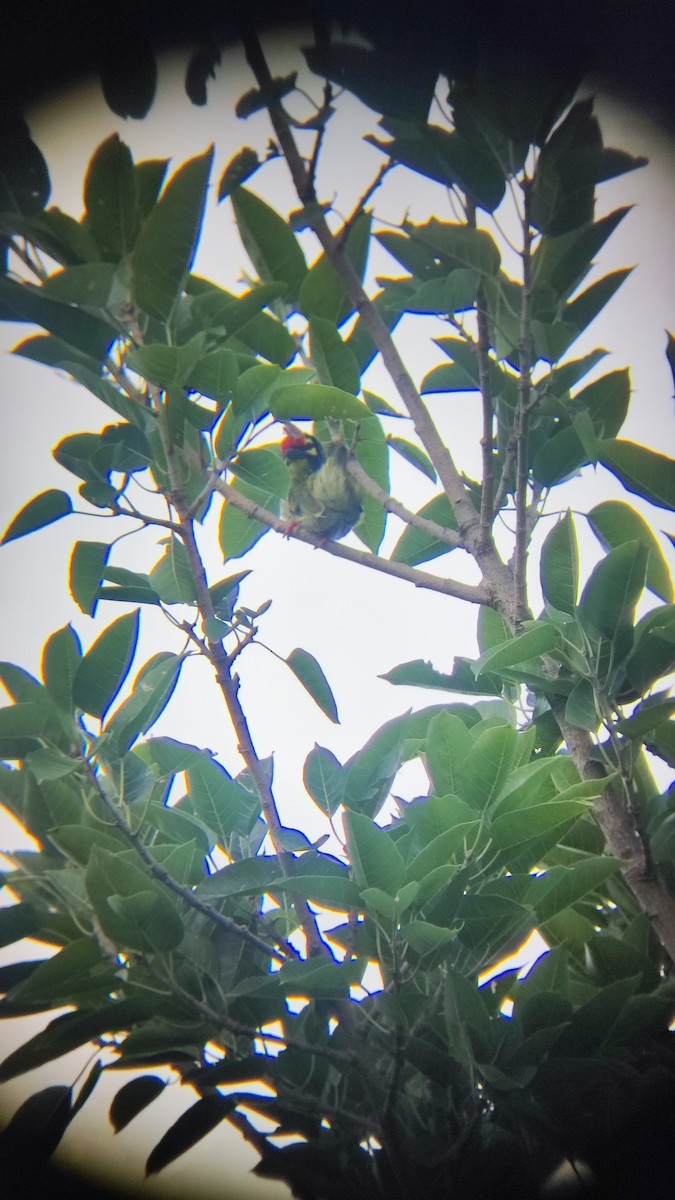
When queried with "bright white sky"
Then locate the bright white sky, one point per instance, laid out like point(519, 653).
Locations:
point(358, 623)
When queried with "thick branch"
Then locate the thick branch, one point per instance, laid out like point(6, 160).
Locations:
point(621, 836)
point(522, 420)
point(473, 593)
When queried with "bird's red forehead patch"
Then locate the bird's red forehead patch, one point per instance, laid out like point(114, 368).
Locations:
point(293, 442)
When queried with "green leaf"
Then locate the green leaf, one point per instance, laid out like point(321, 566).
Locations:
point(171, 578)
point(421, 674)
point(88, 285)
point(559, 565)
point(542, 637)
point(50, 763)
point(449, 158)
point(168, 240)
point(218, 800)
point(376, 862)
point(414, 455)
point(460, 245)
point(215, 375)
point(446, 747)
point(247, 876)
point(111, 198)
point(237, 532)
point(189, 1129)
point(425, 938)
point(316, 402)
point(42, 510)
point(269, 242)
point(134, 911)
point(323, 293)
point(581, 706)
point(18, 921)
point(606, 401)
point(105, 666)
point(264, 469)
point(614, 523)
point(133, 1098)
point(152, 690)
point(60, 659)
point(240, 168)
point(85, 333)
point(324, 778)
point(415, 545)
point(20, 726)
point(608, 600)
point(166, 366)
point(517, 828)
point(60, 977)
point(334, 362)
point(560, 263)
point(371, 771)
point(68, 1032)
point(488, 764)
point(641, 471)
point(305, 667)
point(399, 85)
point(581, 311)
point(560, 887)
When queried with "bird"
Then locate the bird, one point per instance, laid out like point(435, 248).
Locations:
point(322, 498)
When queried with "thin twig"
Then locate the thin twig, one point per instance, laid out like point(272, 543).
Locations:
point(190, 898)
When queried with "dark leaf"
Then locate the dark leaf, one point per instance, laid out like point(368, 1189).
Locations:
point(133, 1098)
point(42, 510)
point(189, 1129)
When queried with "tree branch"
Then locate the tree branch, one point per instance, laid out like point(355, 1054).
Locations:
point(392, 505)
point(495, 573)
point(473, 593)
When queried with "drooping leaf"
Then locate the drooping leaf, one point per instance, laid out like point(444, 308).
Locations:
point(40, 1122)
point(77, 328)
point(416, 545)
point(305, 667)
point(87, 565)
point(414, 455)
point(324, 778)
point(68, 1032)
point(642, 471)
point(132, 1098)
point(42, 510)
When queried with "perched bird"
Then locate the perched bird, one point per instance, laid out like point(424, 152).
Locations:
point(323, 498)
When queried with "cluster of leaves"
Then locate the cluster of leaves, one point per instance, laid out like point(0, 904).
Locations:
point(164, 960)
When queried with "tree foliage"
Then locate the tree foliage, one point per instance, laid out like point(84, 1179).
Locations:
point(542, 811)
